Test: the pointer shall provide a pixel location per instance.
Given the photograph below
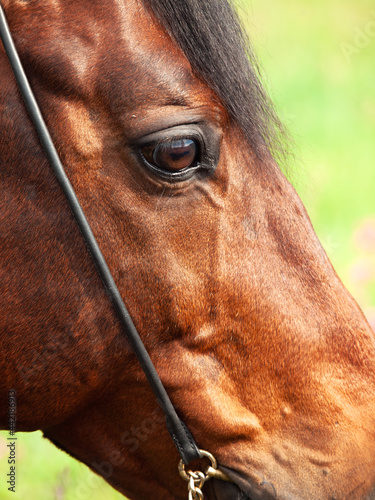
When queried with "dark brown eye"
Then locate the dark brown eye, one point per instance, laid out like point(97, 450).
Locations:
point(172, 155)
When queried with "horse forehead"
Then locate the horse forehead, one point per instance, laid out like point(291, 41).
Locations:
point(116, 46)
point(144, 62)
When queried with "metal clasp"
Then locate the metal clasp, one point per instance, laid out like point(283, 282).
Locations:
point(197, 479)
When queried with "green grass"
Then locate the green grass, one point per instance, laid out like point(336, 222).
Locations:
point(328, 102)
point(45, 473)
point(318, 71)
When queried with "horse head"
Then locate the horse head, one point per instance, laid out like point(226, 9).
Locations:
point(170, 143)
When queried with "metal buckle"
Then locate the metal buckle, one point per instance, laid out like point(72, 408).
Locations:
point(197, 479)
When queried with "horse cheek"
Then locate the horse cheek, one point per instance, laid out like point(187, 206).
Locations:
point(131, 442)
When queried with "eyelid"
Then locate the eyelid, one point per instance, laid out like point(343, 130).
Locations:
point(180, 132)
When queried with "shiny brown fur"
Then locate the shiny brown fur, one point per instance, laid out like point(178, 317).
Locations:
point(266, 356)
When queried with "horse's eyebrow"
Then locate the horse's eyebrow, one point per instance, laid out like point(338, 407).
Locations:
point(176, 101)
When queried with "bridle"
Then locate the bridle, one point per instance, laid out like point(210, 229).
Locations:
point(182, 437)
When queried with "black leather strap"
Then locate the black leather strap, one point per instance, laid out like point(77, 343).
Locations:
point(181, 436)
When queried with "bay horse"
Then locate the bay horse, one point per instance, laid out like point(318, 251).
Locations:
point(171, 144)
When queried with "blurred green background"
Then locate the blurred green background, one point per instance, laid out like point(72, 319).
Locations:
point(318, 60)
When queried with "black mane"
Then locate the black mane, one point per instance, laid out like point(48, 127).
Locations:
point(211, 36)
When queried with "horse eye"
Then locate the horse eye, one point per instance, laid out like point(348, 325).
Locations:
point(173, 155)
